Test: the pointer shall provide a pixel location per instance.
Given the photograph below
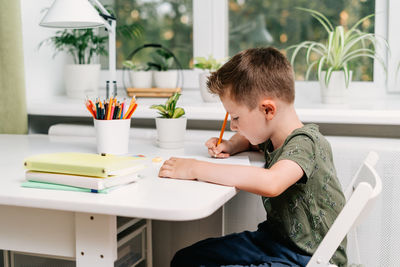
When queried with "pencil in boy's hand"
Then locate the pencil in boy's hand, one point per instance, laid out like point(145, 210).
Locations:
point(222, 129)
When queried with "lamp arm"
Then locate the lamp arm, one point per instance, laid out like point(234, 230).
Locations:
point(112, 58)
point(101, 7)
point(104, 14)
point(111, 28)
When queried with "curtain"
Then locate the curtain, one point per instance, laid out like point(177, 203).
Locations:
point(13, 115)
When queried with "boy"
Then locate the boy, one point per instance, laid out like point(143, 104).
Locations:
point(299, 188)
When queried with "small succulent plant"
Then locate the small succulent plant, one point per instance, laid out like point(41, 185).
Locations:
point(170, 110)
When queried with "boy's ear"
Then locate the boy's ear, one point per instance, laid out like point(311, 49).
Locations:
point(268, 107)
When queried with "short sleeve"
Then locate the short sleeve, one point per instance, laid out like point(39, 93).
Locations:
point(300, 149)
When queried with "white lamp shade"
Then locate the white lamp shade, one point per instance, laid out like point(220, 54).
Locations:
point(72, 14)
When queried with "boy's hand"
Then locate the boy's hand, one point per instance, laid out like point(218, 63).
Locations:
point(178, 168)
point(223, 150)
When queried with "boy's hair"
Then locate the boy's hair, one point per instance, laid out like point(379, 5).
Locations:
point(253, 73)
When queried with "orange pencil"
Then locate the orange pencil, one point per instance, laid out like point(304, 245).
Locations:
point(222, 129)
point(133, 101)
point(110, 102)
point(89, 109)
point(94, 111)
point(93, 107)
point(131, 112)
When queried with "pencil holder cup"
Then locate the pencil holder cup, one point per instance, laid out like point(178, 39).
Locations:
point(112, 136)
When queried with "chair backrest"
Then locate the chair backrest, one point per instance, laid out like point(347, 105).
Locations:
point(361, 195)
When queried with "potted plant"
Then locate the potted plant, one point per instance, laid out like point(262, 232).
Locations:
point(141, 76)
point(81, 77)
point(207, 65)
point(164, 76)
point(331, 58)
point(171, 125)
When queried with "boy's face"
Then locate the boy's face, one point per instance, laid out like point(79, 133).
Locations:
point(252, 124)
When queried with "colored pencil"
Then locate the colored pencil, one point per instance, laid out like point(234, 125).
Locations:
point(131, 112)
point(130, 108)
point(111, 109)
point(222, 129)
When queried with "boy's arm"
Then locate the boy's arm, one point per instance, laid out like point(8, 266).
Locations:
point(266, 182)
point(239, 143)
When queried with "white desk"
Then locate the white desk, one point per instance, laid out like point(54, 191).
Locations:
point(83, 225)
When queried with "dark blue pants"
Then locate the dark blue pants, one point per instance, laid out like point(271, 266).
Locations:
point(258, 248)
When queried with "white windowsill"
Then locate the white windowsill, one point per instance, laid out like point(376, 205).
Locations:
point(383, 110)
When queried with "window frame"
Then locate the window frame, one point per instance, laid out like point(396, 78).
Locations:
point(393, 20)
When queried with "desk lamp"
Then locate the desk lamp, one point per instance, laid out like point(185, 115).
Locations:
point(82, 14)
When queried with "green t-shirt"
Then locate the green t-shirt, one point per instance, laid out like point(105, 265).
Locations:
point(303, 213)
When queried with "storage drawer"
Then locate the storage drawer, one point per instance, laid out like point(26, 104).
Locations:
point(33, 260)
point(132, 249)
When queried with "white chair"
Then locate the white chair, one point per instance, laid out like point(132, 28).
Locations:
point(361, 195)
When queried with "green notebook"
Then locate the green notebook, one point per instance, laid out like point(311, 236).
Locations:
point(40, 185)
point(84, 164)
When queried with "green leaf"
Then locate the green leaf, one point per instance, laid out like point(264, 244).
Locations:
point(328, 75)
point(321, 63)
point(320, 17)
point(346, 75)
point(169, 110)
point(179, 112)
point(160, 108)
point(209, 63)
point(309, 68)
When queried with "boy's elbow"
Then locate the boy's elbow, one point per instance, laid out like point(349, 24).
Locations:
point(271, 191)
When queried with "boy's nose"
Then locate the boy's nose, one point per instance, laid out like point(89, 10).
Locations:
point(233, 126)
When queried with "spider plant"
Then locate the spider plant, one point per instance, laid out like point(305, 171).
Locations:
point(170, 110)
point(341, 48)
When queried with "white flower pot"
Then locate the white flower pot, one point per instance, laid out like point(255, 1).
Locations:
point(141, 79)
point(81, 80)
point(171, 132)
point(336, 92)
point(205, 94)
point(166, 79)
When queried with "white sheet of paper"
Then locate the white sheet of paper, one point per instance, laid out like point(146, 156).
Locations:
point(234, 160)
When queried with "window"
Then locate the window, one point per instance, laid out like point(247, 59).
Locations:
point(168, 23)
point(192, 28)
point(267, 22)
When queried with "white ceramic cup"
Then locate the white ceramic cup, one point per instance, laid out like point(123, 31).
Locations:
point(112, 136)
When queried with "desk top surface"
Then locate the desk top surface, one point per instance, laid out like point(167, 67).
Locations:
point(150, 197)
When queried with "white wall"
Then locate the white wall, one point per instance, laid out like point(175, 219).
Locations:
point(43, 73)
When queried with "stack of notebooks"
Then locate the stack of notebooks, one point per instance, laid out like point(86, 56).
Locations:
point(81, 171)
